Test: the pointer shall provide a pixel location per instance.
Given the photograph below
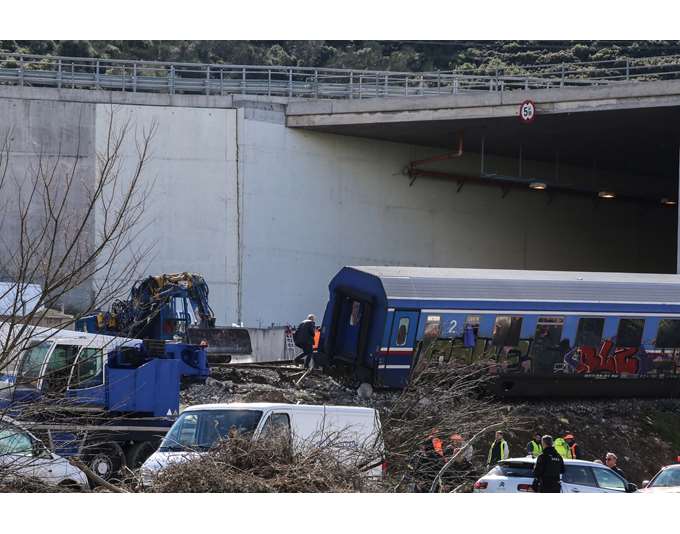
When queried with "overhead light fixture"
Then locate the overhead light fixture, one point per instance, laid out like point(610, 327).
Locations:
point(606, 194)
point(539, 186)
point(668, 202)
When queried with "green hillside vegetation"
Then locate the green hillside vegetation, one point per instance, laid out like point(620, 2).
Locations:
point(480, 56)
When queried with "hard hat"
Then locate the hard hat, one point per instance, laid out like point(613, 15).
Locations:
point(569, 436)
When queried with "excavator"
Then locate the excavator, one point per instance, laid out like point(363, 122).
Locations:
point(171, 307)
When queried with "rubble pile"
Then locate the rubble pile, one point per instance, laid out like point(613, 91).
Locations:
point(287, 384)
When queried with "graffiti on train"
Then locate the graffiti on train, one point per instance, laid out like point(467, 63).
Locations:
point(607, 358)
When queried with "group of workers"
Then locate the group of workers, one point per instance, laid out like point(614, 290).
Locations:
point(550, 455)
point(434, 453)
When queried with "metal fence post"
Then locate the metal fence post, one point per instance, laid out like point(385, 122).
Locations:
point(290, 83)
point(627, 69)
point(439, 82)
point(73, 79)
point(221, 82)
point(351, 84)
point(562, 76)
point(59, 74)
point(361, 79)
point(377, 85)
point(21, 71)
point(387, 89)
point(134, 77)
point(171, 80)
point(96, 75)
point(207, 79)
point(269, 82)
point(243, 81)
point(316, 84)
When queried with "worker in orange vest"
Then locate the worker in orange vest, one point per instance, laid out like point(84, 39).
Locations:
point(573, 446)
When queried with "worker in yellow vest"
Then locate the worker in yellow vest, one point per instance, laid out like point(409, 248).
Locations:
point(534, 447)
point(562, 447)
point(498, 451)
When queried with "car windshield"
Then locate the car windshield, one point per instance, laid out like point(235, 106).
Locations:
point(32, 362)
point(513, 469)
point(667, 478)
point(202, 429)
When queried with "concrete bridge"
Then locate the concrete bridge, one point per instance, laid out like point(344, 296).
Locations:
point(268, 195)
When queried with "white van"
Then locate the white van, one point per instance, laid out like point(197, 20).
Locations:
point(350, 429)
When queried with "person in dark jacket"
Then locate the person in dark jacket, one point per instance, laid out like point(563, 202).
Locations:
point(610, 460)
point(304, 339)
point(549, 466)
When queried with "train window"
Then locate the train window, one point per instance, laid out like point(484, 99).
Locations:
point(402, 331)
point(630, 332)
point(432, 326)
point(473, 321)
point(549, 330)
point(506, 331)
point(355, 316)
point(589, 332)
point(668, 336)
point(545, 351)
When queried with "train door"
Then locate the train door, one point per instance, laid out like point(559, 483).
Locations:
point(399, 357)
point(351, 327)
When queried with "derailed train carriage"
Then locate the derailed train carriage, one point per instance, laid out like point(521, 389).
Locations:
point(543, 333)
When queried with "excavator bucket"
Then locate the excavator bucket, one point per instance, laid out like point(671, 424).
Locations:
point(223, 343)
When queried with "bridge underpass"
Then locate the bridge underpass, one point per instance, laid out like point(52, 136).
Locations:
point(267, 170)
point(622, 140)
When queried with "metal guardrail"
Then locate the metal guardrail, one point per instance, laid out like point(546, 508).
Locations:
point(303, 82)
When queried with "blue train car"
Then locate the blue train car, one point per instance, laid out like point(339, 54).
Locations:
point(542, 333)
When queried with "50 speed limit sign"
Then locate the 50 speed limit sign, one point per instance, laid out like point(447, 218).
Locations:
point(527, 111)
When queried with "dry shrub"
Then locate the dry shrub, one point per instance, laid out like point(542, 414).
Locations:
point(241, 465)
point(442, 399)
point(21, 484)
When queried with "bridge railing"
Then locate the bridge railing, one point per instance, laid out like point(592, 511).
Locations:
point(308, 82)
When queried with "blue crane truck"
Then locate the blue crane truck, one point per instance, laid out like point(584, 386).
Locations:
point(170, 307)
point(107, 400)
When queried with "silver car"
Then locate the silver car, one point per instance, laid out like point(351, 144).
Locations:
point(515, 475)
point(24, 455)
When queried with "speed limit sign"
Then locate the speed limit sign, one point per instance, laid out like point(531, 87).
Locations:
point(527, 111)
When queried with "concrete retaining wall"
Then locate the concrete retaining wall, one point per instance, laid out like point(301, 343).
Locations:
point(269, 214)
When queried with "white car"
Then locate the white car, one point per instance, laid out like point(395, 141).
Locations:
point(665, 481)
point(198, 428)
point(516, 475)
point(24, 455)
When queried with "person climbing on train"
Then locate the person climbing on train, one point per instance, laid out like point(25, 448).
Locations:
point(498, 451)
point(574, 447)
point(548, 469)
point(562, 448)
point(534, 447)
